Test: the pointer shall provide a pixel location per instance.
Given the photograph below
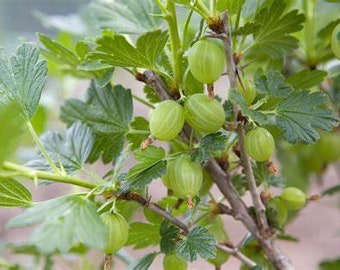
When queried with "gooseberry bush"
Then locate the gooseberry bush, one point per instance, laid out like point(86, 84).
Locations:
point(242, 99)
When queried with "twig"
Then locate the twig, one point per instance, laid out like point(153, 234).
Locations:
point(240, 210)
point(226, 39)
point(246, 164)
point(237, 254)
point(274, 254)
point(133, 196)
point(224, 209)
point(154, 81)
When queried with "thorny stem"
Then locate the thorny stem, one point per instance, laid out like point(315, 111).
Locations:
point(222, 180)
point(245, 161)
point(132, 196)
point(226, 39)
point(273, 253)
point(231, 70)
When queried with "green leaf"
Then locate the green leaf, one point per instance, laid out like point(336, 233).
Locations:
point(108, 112)
point(142, 179)
point(146, 158)
point(232, 6)
point(139, 123)
point(23, 77)
point(150, 94)
point(301, 113)
point(57, 52)
point(142, 235)
point(116, 50)
point(127, 17)
point(62, 222)
point(107, 146)
point(152, 44)
point(107, 109)
point(273, 39)
point(68, 150)
point(144, 263)
point(13, 194)
point(235, 97)
point(207, 145)
point(325, 33)
point(198, 242)
point(305, 79)
point(247, 29)
point(330, 264)
point(169, 234)
point(272, 83)
point(150, 166)
point(11, 129)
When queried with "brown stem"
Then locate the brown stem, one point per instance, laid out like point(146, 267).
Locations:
point(133, 196)
point(226, 39)
point(246, 164)
point(154, 81)
point(222, 180)
point(240, 210)
point(237, 254)
point(224, 209)
point(274, 254)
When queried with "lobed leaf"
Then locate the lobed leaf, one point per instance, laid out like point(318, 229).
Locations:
point(23, 77)
point(13, 194)
point(169, 234)
point(300, 114)
point(142, 235)
point(305, 79)
point(128, 17)
point(116, 50)
point(247, 29)
point(272, 83)
point(273, 38)
point(108, 112)
point(57, 52)
point(207, 145)
point(68, 150)
point(62, 222)
point(198, 242)
point(142, 179)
